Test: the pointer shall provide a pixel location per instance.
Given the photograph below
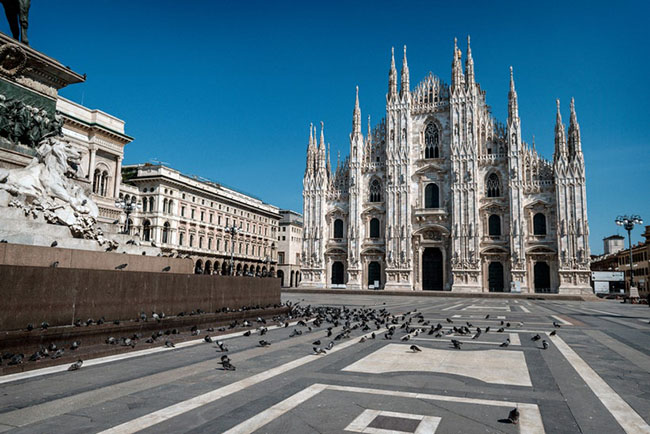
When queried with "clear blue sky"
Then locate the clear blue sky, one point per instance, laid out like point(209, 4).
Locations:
point(227, 90)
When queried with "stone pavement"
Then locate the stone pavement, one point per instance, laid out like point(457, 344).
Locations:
point(593, 378)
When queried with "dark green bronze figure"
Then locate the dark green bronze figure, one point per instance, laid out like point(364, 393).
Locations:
point(17, 12)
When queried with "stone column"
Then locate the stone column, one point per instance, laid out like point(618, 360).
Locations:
point(118, 176)
point(91, 163)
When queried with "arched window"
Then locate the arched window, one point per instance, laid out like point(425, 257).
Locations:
point(375, 191)
point(169, 206)
point(338, 228)
point(146, 230)
point(164, 209)
point(431, 141)
point(200, 242)
point(431, 196)
point(494, 225)
point(191, 240)
point(151, 204)
point(374, 228)
point(493, 186)
point(144, 204)
point(104, 185)
point(539, 224)
point(96, 181)
point(181, 237)
point(165, 234)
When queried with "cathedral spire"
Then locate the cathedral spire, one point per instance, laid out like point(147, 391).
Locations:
point(321, 145)
point(513, 106)
point(560, 138)
point(392, 76)
point(311, 149)
point(456, 69)
point(328, 164)
point(356, 116)
point(369, 128)
point(404, 84)
point(469, 64)
point(575, 146)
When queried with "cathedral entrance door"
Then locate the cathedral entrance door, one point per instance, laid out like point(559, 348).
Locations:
point(337, 273)
point(495, 277)
point(374, 273)
point(542, 277)
point(432, 269)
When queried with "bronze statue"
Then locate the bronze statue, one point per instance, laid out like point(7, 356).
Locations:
point(17, 12)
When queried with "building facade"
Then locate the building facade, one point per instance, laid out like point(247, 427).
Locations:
point(440, 196)
point(188, 216)
point(289, 248)
point(618, 259)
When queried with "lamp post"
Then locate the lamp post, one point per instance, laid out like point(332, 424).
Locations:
point(128, 207)
point(232, 231)
point(628, 223)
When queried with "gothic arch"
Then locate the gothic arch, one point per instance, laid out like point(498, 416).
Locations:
point(493, 185)
point(432, 133)
point(374, 190)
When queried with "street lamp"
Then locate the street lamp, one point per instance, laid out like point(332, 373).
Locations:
point(628, 223)
point(232, 230)
point(128, 207)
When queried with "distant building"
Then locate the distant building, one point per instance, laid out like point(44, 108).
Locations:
point(613, 244)
point(619, 260)
point(289, 248)
point(187, 216)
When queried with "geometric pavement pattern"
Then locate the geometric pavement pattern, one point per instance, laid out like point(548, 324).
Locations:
point(594, 377)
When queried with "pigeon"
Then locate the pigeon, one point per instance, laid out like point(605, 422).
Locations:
point(363, 339)
point(505, 343)
point(75, 345)
point(225, 364)
point(316, 342)
point(207, 339)
point(247, 333)
point(36, 356)
point(111, 340)
point(501, 330)
point(487, 329)
point(167, 268)
point(556, 324)
point(449, 321)
point(487, 316)
point(264, 343)
point(54, 264)
point(330, 345)
point(456, 343)
point(121, 266)
point(30, 327)
point(54, 243)
point(196, 332)
point(513, 416)
point(222, 346)
point(57, 354)
point(169, 344)
point(553, 333)
point(155, 316)
point(372, 336)
point(44, 325)
point(406, 338)
point(415, 349)
point(76, 365)
point(319, 350)
point(127, 342)
point(478, 333)
point(536, 337)
point(545, 344)
point(17, 359)
point(52, 346)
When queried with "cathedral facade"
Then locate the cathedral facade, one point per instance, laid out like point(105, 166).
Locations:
point(440, 196)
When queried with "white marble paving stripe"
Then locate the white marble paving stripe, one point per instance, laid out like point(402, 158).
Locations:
point(453, 307)
point(644, 321)
point(625, 415)
point(470, 341)
point(637, 357)
point(530, 418)
point(164, 414)
point(560, 320)
point(524, 309)
point(101, 360)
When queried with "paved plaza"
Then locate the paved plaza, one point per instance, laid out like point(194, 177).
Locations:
point(593, 378)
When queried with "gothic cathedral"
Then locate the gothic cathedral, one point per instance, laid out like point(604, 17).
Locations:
point(440, 196)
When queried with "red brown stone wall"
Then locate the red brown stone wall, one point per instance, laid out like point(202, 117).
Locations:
point(61, 295)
